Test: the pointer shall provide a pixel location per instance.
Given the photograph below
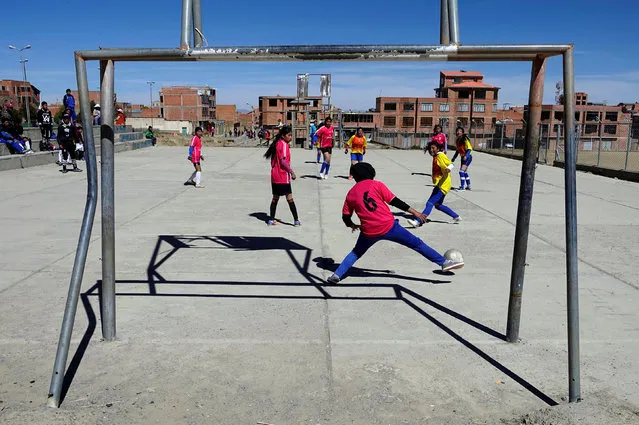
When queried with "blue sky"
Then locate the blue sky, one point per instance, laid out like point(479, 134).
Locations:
point(606, 59)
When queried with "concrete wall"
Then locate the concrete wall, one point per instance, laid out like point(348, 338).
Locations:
point(160, 124)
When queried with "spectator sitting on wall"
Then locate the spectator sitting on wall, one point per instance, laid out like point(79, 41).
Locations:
point(97, 113)
point(120, 119)
point(17, 131)
point(149, 135)
point(14, 144)
point(68, 101)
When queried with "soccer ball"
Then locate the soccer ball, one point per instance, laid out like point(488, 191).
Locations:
point(454, 254)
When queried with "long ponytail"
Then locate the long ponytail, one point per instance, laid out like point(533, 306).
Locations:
point(270, 152)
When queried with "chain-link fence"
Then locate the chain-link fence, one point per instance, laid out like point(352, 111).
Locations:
point(613, 146)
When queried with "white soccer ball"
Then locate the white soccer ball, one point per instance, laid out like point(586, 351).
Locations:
point(454, 254)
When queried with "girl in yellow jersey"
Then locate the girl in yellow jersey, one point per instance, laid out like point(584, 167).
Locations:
point(357, 143)
point(464, 149)
point(443, 182)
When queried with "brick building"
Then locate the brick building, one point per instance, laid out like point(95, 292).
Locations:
point(195, 103)
point(14, 92)
point(228, 114)
point(279, 109)
point(462, 98)
point(593, 122)
point(368, 120)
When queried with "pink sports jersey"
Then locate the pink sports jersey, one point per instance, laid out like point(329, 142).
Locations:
point(196, 143)
point(279, 175)
point(440, 139)
point(368, 199)
point(325, 137)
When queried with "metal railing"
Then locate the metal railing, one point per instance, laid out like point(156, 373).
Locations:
point(612, 146)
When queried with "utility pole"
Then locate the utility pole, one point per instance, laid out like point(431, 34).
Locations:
point(27, 97)
point(150, 83)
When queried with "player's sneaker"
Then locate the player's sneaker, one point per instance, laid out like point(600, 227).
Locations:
point(297, 223)
point(460, 188)
point(77, 170)
point(468, 188)
point(333, 279)
point(413, 222)
point(457, 219)
point(325, 176)
point(451, 265)
point(200, 186)
point(272, 223)
point(321, 176)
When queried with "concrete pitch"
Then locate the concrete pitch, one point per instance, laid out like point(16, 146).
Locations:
point(240, 330)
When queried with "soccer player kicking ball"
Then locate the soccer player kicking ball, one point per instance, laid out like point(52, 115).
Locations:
point(369, 199)
point(443, 182)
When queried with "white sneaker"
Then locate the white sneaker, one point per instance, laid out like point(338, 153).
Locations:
point(200, 186)
point(325, 176)
point(452, 265)
point(321, 176)
point(457, 219)
point(413, 222)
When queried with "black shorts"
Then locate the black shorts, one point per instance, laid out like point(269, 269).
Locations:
point(281, 189)
point(327, 150)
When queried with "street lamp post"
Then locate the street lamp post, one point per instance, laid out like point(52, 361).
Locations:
point(150, 83)
point(27, 97)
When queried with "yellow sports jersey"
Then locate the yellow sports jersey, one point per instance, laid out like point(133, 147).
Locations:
point(440, 179)
point(357, 144)
point(463, 145)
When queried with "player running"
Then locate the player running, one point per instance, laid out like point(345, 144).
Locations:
point(279, 152)
point(358, 144)
point(464, 149)
point(442, 181)
point(369, 199)
point(325, 140)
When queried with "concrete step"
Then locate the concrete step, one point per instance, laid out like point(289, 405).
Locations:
point(14, 162)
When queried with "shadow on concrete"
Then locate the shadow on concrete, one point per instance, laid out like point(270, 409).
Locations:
point(421, 174)
point(400, 293)
point(310, 176)
point(263, 217)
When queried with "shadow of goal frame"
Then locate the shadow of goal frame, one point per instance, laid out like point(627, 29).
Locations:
point(192, 50)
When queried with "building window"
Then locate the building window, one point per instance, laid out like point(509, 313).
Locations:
point(389, 121)
point(463, 94)
point(611, 116)
point(545, 115)
point(462, 107)
point(444, 107)
point(610, 129)
point(289, 102)
point(495, 106)
point(408, 121)
point(462, 121)
point(591, 129)
point(444, 122)
point(479, 107)
point(427, 107)
point(478, 122)
point(289, 116)
point(409, 106)
point(480, 94)
point(457, 80)
point(425, 121)
point(592, 116)
point(496, 96)
point(390, 106)
point(559, 115)
point(272, 102)
point(555, 128)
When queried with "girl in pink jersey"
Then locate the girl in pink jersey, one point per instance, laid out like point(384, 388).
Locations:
point(325, 140)
point(279, 152)
point(195, 156)
point(369, 199)
point(439, 138)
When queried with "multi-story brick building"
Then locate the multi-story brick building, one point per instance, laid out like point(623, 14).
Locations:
point(594, 122)
point(462, 99)
point(274, 110)
point(367, 120)
point(228, 114)
point(14, 92)
point(194, 103)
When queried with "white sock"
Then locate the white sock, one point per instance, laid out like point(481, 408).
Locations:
point(28, 145)
point(198, 176)
point(59, 156)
